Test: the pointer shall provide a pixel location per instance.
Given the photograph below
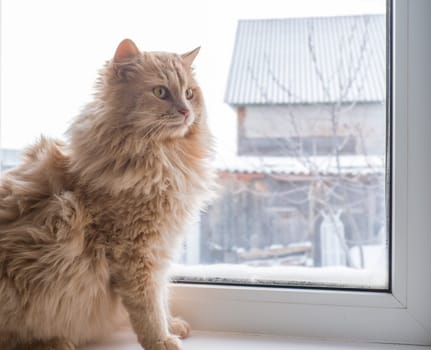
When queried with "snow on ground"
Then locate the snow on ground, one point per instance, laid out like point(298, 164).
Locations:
point(373, 276)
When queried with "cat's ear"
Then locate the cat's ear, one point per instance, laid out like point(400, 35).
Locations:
point(125, 60)
point(126, 51)
point(190, 56)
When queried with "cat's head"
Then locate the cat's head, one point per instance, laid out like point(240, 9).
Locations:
point(153, 93)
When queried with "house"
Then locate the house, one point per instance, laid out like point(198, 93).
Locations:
point(309, 85)
point(309, 96)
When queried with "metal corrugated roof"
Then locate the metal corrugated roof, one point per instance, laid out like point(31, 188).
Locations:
point(308, 60)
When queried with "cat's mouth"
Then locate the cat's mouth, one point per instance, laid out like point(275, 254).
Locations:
point(176, 126)
point(180, 121)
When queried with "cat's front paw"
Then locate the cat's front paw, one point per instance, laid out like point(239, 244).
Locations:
point(170, 343)
point(179, 327)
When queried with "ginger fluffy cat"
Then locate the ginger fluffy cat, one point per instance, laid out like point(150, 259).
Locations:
point(88, 228)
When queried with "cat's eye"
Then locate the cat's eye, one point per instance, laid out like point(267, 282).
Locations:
point(189, 93)
point(160, 92)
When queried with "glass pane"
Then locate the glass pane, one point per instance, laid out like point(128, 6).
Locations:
point(296, 97)
point(303, 198)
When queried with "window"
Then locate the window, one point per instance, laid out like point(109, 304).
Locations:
point(303, 199)
point(395, 306)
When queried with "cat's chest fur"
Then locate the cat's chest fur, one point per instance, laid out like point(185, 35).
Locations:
point(157, 199)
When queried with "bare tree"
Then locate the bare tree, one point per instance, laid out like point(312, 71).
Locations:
point(327, 190)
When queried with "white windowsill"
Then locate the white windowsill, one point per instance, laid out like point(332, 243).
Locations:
point(126, 340)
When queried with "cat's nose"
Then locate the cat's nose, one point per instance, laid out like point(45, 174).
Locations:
point(184, 111)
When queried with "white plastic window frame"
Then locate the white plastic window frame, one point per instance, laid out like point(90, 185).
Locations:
point(402, 315)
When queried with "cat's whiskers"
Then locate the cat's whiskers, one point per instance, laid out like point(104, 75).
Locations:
point(154, 129)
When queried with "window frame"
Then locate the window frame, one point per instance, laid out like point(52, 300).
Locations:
point(401, 315)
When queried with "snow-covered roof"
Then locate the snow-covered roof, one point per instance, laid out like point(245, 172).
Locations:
point(308, 60)
point(326, 165)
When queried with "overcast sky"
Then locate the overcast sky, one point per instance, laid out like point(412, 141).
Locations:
point(51, 51)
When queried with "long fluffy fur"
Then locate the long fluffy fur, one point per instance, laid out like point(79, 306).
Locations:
point(88, 228)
